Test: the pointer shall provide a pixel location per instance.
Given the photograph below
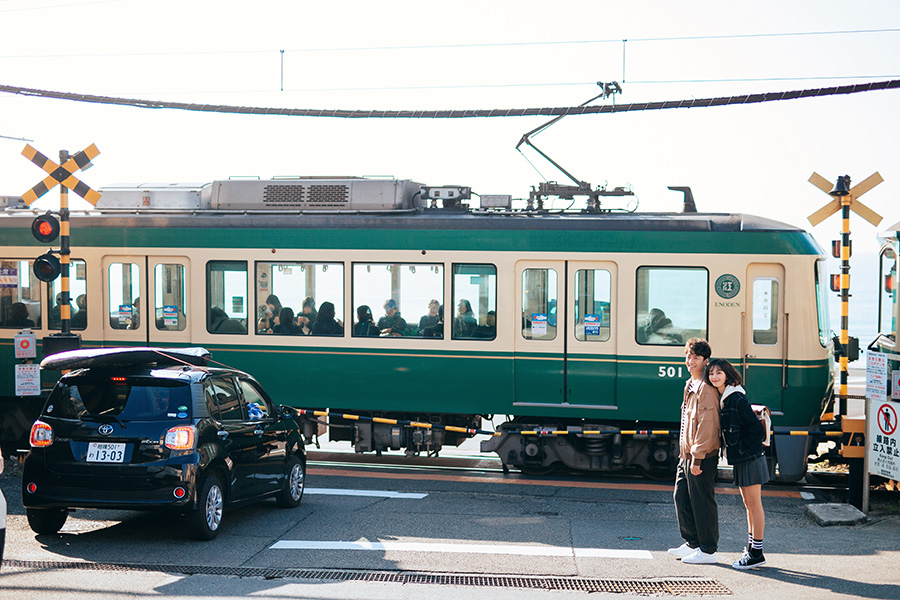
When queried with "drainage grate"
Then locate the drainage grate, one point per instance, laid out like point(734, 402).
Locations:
point(686, 586)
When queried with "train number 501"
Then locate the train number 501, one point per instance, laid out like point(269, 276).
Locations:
point(670, 371)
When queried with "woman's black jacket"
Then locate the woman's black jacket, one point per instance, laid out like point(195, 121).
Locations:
point(742, 431)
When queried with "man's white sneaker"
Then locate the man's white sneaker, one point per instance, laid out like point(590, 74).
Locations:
point(699, 557)
point(682, 551)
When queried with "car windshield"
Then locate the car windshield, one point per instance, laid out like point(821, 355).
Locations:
point(119, 398)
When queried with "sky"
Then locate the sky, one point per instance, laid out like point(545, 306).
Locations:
point(467, 55)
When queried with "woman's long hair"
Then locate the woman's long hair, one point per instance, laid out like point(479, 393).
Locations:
point(326, 312)
point(274, 301)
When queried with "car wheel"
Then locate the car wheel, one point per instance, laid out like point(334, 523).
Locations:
point(46, 520)
point(295, 479)
point(206, 519)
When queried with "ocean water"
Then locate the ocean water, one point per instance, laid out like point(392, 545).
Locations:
point(865, 289)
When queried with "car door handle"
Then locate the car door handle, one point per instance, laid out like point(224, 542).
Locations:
point(222, 434)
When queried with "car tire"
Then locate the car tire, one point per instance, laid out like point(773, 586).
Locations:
point(206, 519)
point(294, 483)
point(45, 521)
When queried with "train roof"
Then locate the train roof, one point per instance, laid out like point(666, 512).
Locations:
point(363, 209)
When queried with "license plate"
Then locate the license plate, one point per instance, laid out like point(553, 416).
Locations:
point(105, 452)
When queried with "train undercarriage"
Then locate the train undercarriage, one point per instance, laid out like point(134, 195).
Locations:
point(610, 450)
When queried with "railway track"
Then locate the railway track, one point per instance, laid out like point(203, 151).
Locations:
point(824, 484)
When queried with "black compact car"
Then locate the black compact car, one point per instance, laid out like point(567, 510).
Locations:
point(154, 429)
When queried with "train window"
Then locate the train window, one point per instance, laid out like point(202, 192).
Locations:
point(77, 297)
point(170, 305)
point(593, 305)
point(822, 303)
point(539, 303)
point(226, 297)
point(475, 299)
point(671, 304)
point(124, 280)
point(296, 292)
point(20, 295)
point(387, 290)
point(765, 311)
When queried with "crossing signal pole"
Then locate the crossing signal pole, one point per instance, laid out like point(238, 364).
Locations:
point(845, 199)
point(45, 228)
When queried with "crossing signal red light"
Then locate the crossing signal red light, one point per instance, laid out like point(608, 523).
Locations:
point(45, 228)
point(47, 267)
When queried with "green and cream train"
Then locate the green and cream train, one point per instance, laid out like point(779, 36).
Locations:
point(567, 321)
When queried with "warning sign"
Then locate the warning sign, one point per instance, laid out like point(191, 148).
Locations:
point(884, 439)
point(28, 380)
point(876, 375)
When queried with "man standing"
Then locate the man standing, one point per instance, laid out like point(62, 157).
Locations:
point(698, 459)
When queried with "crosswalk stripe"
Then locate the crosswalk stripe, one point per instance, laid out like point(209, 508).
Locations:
point(462, 549)
point(371, 493)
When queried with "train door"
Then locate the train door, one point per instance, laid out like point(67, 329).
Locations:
point(168, 307)
point(764, 337)
point(540, 340)
point(124, 288)
point(591, 337)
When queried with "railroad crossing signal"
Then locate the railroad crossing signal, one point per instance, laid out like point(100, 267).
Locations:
point(45, 228)
point(64, 174)
point(850, 197)
point(845, 199)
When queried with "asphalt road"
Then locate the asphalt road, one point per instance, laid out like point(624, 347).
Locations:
point(379, 526)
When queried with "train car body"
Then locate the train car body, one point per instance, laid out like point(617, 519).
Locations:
point(888, 303)
point(564, 321)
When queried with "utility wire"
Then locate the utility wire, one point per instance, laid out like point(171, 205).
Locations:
point(465, 46)
point(462, 113)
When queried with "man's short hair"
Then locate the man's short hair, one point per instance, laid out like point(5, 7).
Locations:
point(698, 347)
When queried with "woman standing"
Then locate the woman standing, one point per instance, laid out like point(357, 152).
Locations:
point(743, 434)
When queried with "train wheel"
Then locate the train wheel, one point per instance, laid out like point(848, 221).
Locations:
point(538, 470)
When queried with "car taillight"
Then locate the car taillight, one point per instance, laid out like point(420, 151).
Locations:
point(181, 438)
point(41, 435)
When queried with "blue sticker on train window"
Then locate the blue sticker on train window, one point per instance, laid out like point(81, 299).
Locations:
point(592, 325)
point(539, 324)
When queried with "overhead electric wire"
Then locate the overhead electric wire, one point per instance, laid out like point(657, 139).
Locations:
point(462, 113)
point(630, 40)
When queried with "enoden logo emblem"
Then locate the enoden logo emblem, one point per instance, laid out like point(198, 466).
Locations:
point(727, 286)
